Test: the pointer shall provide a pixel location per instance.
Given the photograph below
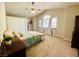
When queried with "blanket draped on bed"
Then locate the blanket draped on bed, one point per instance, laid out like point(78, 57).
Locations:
point(31, 39)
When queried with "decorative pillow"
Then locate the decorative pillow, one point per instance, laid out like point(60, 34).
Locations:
point(21, 34)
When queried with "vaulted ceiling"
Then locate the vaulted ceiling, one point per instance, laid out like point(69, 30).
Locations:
point(18, 8)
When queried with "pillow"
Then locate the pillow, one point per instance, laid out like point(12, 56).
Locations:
point(22, 34)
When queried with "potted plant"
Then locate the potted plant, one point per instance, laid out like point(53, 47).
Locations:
point(7, 39)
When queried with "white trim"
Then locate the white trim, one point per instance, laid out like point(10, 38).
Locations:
point(59, 36)
point(62, 37)
point(67, 39)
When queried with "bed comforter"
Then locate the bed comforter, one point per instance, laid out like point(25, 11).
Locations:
point(30, 37)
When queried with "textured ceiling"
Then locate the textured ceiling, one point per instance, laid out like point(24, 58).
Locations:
point(18, 8)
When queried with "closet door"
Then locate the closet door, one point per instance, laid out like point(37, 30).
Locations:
point(16, 24)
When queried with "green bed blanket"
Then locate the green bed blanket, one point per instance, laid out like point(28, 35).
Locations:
point(31, 39)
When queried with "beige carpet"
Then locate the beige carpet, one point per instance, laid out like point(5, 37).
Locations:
point(52, 47)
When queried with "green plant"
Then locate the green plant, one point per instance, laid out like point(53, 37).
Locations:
point(7, 38)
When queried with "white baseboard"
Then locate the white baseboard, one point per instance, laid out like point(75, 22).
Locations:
point(67, 39)
point(58, 36)
point(62, 37)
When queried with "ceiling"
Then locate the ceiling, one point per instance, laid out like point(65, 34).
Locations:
point(18, 8)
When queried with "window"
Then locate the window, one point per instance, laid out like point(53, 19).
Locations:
point(47, 22)
point(54, 22)
point(40, 23)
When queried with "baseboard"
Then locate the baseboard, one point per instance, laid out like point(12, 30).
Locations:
point(67, 39)
point(62, 37)
point(58, 36)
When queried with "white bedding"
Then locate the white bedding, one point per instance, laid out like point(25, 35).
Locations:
point(34, 33)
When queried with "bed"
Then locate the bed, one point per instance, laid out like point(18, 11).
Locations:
point(30, 37)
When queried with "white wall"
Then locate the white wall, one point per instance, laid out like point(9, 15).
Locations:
point(17, 24)
point(2, 19)
point(59, 13)
point(70, 13)
point(66, 20)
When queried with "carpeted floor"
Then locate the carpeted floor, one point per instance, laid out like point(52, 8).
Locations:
point(52, 47)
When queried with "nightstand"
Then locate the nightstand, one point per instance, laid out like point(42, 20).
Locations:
point(16, 49)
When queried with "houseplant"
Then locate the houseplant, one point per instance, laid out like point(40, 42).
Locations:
point(8, 36)
point(7, 39)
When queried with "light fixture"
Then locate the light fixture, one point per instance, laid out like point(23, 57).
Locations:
point(33, 9)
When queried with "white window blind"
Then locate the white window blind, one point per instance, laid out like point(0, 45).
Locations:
point(46, 22)
point(54, 22)
point(40, 23)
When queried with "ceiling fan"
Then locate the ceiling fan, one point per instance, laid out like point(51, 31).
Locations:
point(33, 9)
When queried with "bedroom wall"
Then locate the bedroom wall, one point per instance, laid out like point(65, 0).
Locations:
point(59, 13)
point(66, 18)
point(2, 19)
point(70, 13)
point(17, 24)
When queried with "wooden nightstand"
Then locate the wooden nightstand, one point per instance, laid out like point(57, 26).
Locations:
point(16, 49)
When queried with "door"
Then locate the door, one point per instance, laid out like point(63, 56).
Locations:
point(75, 38)
point(77, 24)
